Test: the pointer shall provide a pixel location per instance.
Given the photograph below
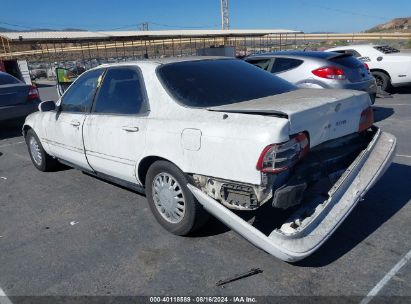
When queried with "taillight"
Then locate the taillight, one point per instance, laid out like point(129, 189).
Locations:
point(33, 93)
point(330, 72)
point(367, 67)
point(276, 158)
point(366, 119)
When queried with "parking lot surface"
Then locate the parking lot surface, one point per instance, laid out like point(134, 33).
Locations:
point(66, 233)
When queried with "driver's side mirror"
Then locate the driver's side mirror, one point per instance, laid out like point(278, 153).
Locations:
point(47, 106)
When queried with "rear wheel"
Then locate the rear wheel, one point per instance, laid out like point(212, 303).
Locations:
point(41, 160)
point(382, 79)
point(171, 202)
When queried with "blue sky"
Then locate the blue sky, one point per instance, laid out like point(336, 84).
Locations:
point(305, 15)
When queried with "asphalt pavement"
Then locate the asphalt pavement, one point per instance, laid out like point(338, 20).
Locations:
point(67, 233)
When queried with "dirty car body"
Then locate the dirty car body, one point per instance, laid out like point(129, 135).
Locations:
point(238, 144)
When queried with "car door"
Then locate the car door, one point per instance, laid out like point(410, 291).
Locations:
point(65, 125)
point(115, 130)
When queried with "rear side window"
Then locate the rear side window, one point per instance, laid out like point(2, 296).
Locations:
point(285, 64)
point(8, 79)
point(79, 96)
point(121, 93)
point(261, 63)
point(349, 52)
point(211, 83)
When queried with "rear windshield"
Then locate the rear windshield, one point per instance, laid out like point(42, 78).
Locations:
point(8, 79)
point(210, 83)
point(347, 60)
point(386, 49)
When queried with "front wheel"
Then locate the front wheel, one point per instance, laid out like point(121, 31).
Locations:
point(170, 200)
point(41, 160)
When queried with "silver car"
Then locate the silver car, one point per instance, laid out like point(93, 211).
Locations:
point(318, 70)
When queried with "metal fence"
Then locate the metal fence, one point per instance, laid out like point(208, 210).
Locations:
point(49, 55)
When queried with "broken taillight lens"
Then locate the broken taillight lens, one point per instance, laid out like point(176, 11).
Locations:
point(366, 119)
point(276, 158)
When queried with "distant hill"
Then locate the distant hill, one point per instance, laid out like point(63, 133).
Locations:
point(395, 25)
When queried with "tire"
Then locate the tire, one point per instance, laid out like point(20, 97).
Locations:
point(382, 79)
point(41, 160)
point(171, 202)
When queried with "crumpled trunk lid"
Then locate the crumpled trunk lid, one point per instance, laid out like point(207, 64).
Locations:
point(325, 114)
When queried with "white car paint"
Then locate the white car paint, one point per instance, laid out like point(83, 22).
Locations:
point(223, 143)
point(238, 139)
point(396, 65)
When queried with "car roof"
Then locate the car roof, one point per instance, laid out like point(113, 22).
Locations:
point(8, 75)
point(299, 54)
point(161, 61)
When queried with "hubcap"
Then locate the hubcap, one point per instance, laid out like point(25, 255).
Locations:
point(168, 198)
point(379, 81)
point(35, 151)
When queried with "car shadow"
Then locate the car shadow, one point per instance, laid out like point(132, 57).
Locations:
point(384, 200)
point(44, 85)
point(381, 113)
point(400, 90)
point(11, 128)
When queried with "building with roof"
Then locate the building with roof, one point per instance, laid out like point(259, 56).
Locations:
point(70, 45)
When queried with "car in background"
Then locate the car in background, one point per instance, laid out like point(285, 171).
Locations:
point(38, 73)
point(17, 99)
point(319, 70)
point(389, 66)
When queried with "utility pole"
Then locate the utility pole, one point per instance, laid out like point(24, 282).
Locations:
point(143, 26)
point(225, 21)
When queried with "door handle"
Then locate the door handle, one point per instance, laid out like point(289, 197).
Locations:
point(130, 129)
point(75, 123)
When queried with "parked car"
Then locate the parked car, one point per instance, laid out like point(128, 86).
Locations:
point(320, 70)
point(17, 99)
point(38, 73)
point(206, 134)
point(389, 66)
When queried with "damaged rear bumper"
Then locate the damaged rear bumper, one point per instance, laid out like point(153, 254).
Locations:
point(360, 176)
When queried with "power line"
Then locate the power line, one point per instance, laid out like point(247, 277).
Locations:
point(182, 26)
point(135, 26)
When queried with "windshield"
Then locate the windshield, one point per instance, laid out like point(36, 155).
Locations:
point(211, 83)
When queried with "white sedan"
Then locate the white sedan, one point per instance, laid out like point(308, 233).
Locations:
point(214, 134)
point(389, 66)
